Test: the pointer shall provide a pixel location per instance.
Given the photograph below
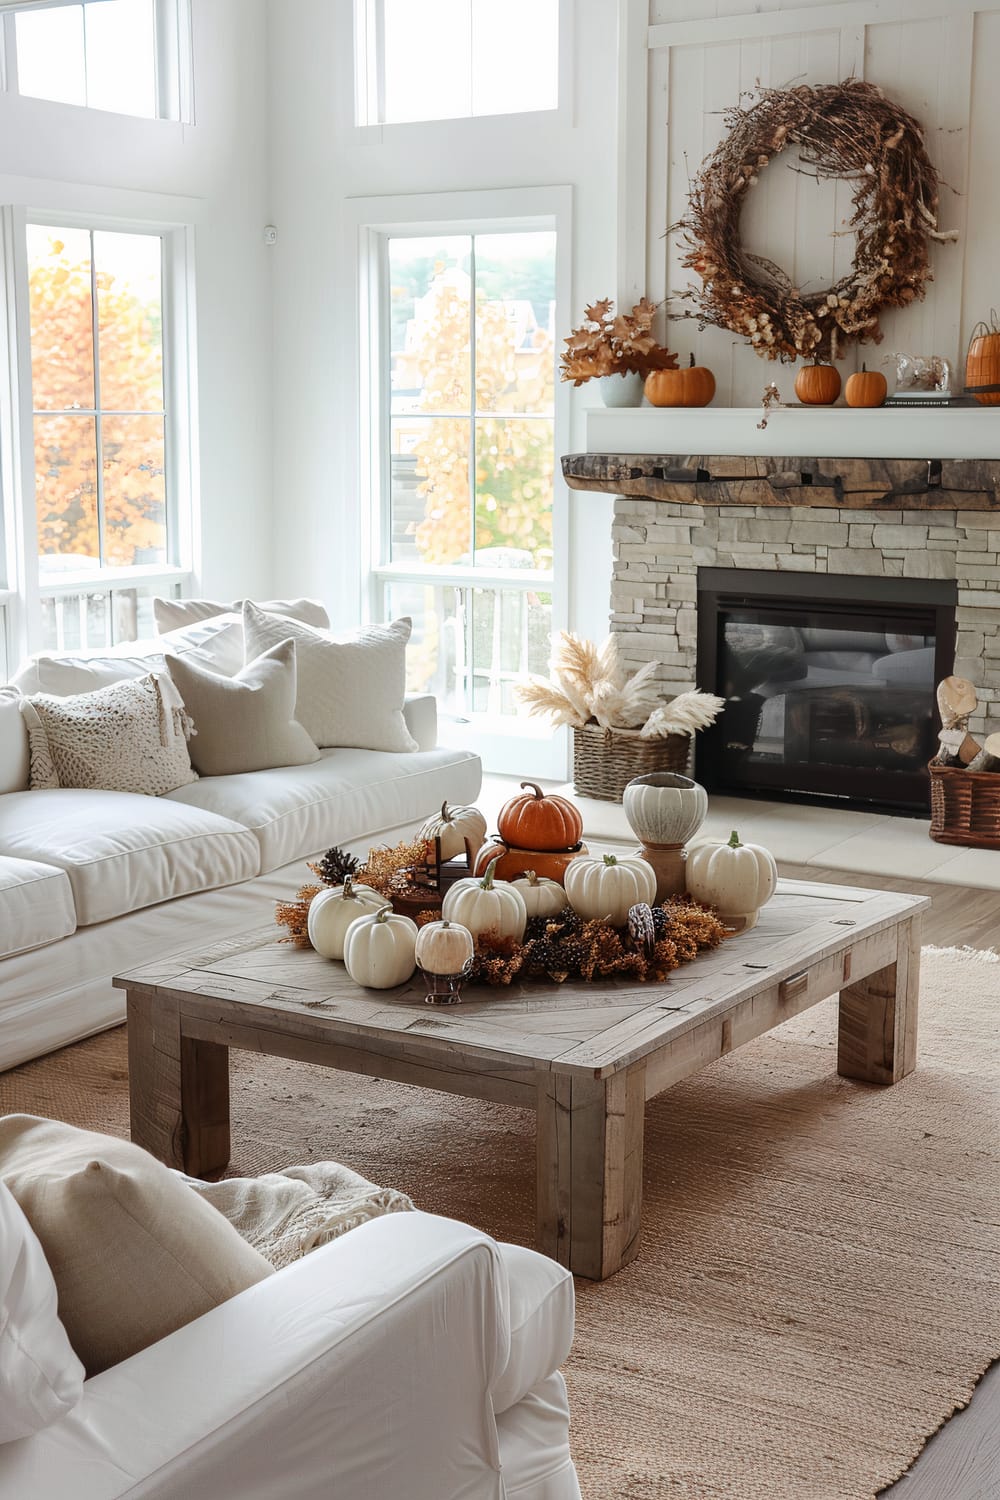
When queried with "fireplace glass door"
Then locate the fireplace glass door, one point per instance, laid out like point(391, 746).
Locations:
point(827, 695)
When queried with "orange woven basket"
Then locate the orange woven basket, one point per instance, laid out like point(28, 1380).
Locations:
point(965, 806)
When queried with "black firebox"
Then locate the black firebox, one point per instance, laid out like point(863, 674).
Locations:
point(829, 685)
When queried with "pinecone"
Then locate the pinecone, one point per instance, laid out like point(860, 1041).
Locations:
point(335, 865)
point(662, 922)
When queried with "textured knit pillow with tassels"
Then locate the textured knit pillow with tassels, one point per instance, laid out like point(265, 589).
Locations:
point(129, 737)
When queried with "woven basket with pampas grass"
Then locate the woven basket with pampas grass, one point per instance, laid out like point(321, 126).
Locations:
point(622, 726)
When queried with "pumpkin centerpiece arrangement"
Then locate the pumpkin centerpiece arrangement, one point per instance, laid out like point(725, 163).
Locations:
point(736, 879)
point(817, 384)
point(694, 386)
point(536, 831)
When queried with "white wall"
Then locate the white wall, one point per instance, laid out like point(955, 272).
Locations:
point(938, 58)
point(210, 174)
point(319, 162)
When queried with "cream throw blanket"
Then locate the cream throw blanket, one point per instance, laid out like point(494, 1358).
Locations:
point(284, 1215)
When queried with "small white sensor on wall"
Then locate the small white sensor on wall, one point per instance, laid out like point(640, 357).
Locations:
point(270, 235)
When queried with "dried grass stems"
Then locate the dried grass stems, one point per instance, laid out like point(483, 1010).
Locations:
point(849, 130)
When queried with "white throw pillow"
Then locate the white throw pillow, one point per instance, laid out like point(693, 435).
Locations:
point(351, 688)
point(41, 1378)
point(246, 722)
point(215, 643)
point(13, 743)
point(171, 613)
point(129, 737)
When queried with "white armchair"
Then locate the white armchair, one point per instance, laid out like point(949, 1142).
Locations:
point(412, 1359)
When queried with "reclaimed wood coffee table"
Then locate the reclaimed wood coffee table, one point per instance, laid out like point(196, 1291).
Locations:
point(586, 1057)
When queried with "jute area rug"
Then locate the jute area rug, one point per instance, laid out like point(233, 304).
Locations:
point(819, 1282)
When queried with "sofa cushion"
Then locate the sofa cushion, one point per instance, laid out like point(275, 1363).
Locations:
point(246, 722)
point(347, 794)
point(122, 851)
point(127, 737)
point(170, 613)
point(36, 905)
point(13, 743)
point(541, 1322)
point(351, 688)
point(41, 1379)
point(215, 643)
point(133, 1252)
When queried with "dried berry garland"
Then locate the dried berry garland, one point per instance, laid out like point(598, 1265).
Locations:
point(849, 130)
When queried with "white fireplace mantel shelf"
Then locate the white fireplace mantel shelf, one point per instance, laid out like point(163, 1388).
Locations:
point(811, 432)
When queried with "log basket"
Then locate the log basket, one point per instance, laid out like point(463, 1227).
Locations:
point(606, 760)
point(965, 806)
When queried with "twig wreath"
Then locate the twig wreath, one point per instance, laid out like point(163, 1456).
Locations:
point(849, 130)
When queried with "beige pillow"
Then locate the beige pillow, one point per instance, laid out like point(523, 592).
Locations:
point(135, 1254)
point(246, 722)
point(351, 688)
point(129, 737)
point(171, 613)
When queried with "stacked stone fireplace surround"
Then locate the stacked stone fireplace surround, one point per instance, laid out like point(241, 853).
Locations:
point(659, 545)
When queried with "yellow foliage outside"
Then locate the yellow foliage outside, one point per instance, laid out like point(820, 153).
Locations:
point(131, 375)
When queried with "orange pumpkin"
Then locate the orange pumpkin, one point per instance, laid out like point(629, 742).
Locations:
point(817, 385)
point(865, 388)
point(694, 386)
point(532, 820)
point(512, 862)
point(982, 363)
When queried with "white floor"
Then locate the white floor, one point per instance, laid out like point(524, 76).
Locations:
point(872, 843)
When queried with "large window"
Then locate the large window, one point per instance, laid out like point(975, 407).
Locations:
point(448, 59)
point(466, 417)
point(122, 55)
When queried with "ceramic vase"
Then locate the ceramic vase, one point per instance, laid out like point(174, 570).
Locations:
point(621, 390)
point(664, 810)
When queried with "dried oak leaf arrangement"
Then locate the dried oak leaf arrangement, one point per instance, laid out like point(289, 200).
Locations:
point(848, 130)
point(610, 343)
point(589, 685)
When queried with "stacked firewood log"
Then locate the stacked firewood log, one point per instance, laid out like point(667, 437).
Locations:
point(957, 701)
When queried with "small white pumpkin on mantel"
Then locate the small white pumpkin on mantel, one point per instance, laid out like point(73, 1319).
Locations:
point(486, 906)
point(380, 950)
point(736, 879)
point(542, 897)
point(605, 887)
point(332, 911)
point(458, 829)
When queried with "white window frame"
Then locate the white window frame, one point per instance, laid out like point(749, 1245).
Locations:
point(508, 744)
point(173, 56)
point(24, 592)
point(369, 76)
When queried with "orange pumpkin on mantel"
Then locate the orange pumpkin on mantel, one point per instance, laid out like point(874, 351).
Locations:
point(534, 820)
point(982, 363)
point(865, 388)
point(817, 385)
point(694, 386)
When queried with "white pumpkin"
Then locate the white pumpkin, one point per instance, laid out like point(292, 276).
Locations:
point(455, 827)
point(542, 897)
point(736, 879)
point(444, 947)
point(605, 887)
point(331, 912)
point(486, 906)
point(380, 950)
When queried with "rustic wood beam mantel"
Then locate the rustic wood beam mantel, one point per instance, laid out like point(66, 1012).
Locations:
point(850, 483)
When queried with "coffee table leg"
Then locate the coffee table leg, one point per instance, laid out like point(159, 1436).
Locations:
point(178, 1089)
point(590, 1170)
point(877, 1033)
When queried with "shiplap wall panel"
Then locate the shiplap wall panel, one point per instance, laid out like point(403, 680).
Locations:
point(929, 62)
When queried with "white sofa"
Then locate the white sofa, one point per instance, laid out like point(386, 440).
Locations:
point(93, 883)
point(412, 1359)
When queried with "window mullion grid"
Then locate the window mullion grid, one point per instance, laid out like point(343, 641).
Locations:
point(473, 406)
point(98, 425)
